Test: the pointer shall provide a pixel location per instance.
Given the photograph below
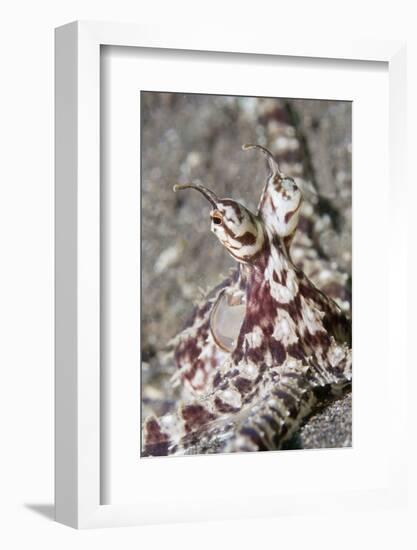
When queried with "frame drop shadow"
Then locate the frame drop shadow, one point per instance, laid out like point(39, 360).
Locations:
point(45, 510)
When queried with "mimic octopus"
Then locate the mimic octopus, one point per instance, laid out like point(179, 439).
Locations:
point(266, 348)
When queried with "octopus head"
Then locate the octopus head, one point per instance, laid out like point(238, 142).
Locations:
point(281, 199)
point(236, 227)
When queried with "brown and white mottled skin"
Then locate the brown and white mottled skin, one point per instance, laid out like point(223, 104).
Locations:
point(266, 347)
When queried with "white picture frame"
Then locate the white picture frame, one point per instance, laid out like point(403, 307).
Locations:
point(77, 500)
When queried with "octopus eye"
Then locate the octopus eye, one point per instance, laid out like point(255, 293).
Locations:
point(217, 219)
point(289, 186)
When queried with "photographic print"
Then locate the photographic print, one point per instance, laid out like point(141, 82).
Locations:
point(246, 217)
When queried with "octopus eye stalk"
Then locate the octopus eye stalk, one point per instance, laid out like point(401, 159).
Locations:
point(208, 194)
point(269, 156)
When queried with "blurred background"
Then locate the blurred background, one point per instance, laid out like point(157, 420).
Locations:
point(186, 137)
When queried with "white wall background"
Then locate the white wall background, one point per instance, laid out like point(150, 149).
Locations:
point(26, 273)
